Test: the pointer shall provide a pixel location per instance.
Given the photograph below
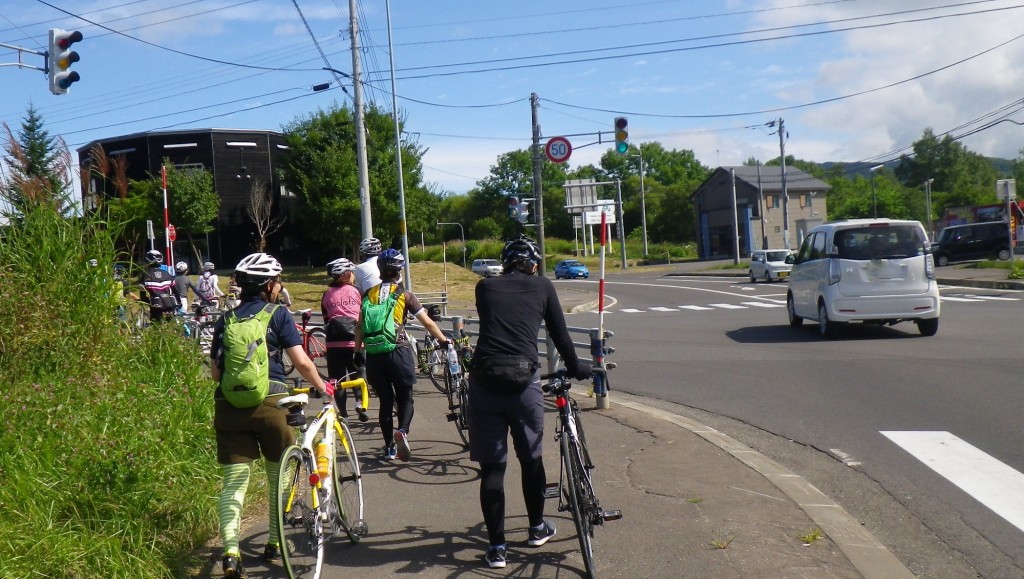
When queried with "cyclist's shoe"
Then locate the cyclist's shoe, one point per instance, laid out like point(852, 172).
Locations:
point(402, 441)
point(495, 557)
point(233, 567)
point(390, 453)
point(541, 534)
point(272, 553)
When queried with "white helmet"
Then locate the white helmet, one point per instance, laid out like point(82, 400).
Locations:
point(94, 262)
point(181, 267)
point(257, 268)
point(208, 265)
point(340, 266)
point(370, 246)
point(154, 256)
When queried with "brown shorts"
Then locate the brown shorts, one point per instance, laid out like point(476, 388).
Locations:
point(243, 434)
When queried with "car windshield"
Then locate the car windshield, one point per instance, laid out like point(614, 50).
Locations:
point(777, 255)
point(889, 241)
point(571, 263)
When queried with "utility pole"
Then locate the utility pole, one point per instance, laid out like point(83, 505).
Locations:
point(538, 191)
point(398, 160)
point(735, 220)
point(760, 207)
point(785, 192)
point(357, 100)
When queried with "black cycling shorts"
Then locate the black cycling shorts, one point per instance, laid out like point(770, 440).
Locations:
point(493, 416)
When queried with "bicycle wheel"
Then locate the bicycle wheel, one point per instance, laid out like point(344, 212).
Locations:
point(578, 490)
point(462, 422)
point(287, 363)
point(348, 485)
point(205, 336)
point(316, 349)
point(433, 364)
point(302, 531)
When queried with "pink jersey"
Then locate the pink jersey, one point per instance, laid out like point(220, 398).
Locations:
point(342, 300)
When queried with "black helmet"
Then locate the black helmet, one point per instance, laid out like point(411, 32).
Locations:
point(390, 259)
point(520, 250)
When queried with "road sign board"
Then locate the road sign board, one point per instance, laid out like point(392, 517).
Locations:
point(171, 233)
point(558, 149)
point(594, 217)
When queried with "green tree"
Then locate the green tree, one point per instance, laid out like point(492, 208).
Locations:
point(39, 167)
point(962, 178)
point(513, 175)
point(320, 167)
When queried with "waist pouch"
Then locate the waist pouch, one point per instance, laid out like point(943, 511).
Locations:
point(504, 374)
point(166, 302)
point(341, 329)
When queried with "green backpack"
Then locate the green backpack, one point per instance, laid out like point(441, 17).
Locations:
point(380, 335)
point(246, 378)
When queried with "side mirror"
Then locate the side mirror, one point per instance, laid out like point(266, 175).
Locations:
point(790, 259)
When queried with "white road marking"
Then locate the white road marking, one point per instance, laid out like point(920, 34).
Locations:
point(996, 298)
point(696, 308)
point(729, 306)
point(989, 481)
point(662, 309)
point(955, 299)
point(847, 459)
point(762, 305)
point(631, 311)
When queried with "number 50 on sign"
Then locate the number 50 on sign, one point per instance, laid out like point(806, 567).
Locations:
point(558, 149)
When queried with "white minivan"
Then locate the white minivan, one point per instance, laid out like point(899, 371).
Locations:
point(864, 270)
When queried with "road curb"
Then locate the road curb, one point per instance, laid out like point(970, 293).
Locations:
point(869, 556)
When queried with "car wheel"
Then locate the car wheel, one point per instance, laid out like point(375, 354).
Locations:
point(826, 328)
point(942, 260)
point(767, 277)
point(1003, 255)
point(795, 321)
point(752, 278)
point(928, 327)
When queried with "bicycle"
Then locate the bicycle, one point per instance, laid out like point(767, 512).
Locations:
point(456, 386)
point(577, 488)
point(320, 487)
point(314, 342)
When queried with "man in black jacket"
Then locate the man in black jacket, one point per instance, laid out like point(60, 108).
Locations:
point(504, 384)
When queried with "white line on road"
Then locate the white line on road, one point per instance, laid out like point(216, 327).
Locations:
point(953, 299)
point(989, 481)
point(762, 305)
point(631, 311)
point(996, 298)
point(729, 306)
point(662, 309)
point(696, 308)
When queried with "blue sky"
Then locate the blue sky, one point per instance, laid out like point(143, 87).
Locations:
point(854, 80)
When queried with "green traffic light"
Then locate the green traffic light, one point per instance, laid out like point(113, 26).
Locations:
point(621, 148)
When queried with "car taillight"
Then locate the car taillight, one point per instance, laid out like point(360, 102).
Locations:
point(834, 274)
point(929, 266)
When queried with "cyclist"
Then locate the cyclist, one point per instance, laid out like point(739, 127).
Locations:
point(233, 292)
point(393, 374)
point(243, 434)
point(504, 388)
point(209, 285)
point(340, 308)
point(284, 298)
point(182, 284)
point(368, 272)
point(155, 287)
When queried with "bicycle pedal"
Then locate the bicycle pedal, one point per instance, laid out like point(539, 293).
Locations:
point(611, 515)
point(551, 491)
point(453, 416)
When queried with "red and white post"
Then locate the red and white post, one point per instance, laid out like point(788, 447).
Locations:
point(167, 220)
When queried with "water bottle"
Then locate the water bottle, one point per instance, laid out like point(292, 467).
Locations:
point(453, 361)
point(322, 461)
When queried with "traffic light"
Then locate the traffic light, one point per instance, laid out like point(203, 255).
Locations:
point(60, 58)
point(621, 135)
point(513, 207)
point(524, 211)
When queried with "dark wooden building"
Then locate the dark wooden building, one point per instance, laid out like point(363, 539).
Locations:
point(236, 158)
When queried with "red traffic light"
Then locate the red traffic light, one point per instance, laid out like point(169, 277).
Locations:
point(65, 42)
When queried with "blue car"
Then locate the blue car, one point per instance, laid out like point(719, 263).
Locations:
point(571, 268)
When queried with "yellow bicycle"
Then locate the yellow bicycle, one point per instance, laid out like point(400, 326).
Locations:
point(320, 488)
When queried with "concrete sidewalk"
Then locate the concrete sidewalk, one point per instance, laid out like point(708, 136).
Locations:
point(695, 503)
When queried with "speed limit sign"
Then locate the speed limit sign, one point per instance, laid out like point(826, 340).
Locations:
point(558, 149)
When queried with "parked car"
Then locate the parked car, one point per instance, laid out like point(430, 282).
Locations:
point(770, 264)
point(571, 268)
point(486, 267)
point(972, 241)
point(864, 270)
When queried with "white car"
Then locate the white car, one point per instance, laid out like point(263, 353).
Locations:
point(770, 264)
point(864, 270)
point(486, 267)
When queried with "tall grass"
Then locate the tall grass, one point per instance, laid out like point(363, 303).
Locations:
point(106, 446)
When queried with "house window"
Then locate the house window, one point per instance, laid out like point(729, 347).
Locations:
point(771, 201)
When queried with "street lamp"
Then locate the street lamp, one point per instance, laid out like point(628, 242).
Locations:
point(928, 206)
point(874, 197)
point(461, 235)
point(643, 202)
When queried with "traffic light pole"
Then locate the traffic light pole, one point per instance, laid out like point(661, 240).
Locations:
point(21, 64)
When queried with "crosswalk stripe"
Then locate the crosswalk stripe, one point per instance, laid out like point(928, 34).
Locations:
point(728, 306)
point(996, 298)
point(696, 308)
point(991, 482)
point(762, 305)
point(662, 309)
point(631, 311)
point(955, 299)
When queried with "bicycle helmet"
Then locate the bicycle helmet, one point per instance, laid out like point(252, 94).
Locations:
point(94, 262)
point(340, 266)
point(208, 265)
point(154, 256)
point(390, 259)
point(181, 267)
point(519, 250)
point(257, 269)
point(370, 246)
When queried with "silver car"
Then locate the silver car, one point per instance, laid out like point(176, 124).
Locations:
point(864, 270)
point(770, 264)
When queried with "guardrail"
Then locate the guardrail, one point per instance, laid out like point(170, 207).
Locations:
point(597, 349)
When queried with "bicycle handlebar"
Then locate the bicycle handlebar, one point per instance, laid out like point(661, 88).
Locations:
point(562, 377)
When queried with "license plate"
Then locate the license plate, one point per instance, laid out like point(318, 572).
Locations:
point(783, 274)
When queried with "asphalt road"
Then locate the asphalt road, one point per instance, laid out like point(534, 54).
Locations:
point(723, 349)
